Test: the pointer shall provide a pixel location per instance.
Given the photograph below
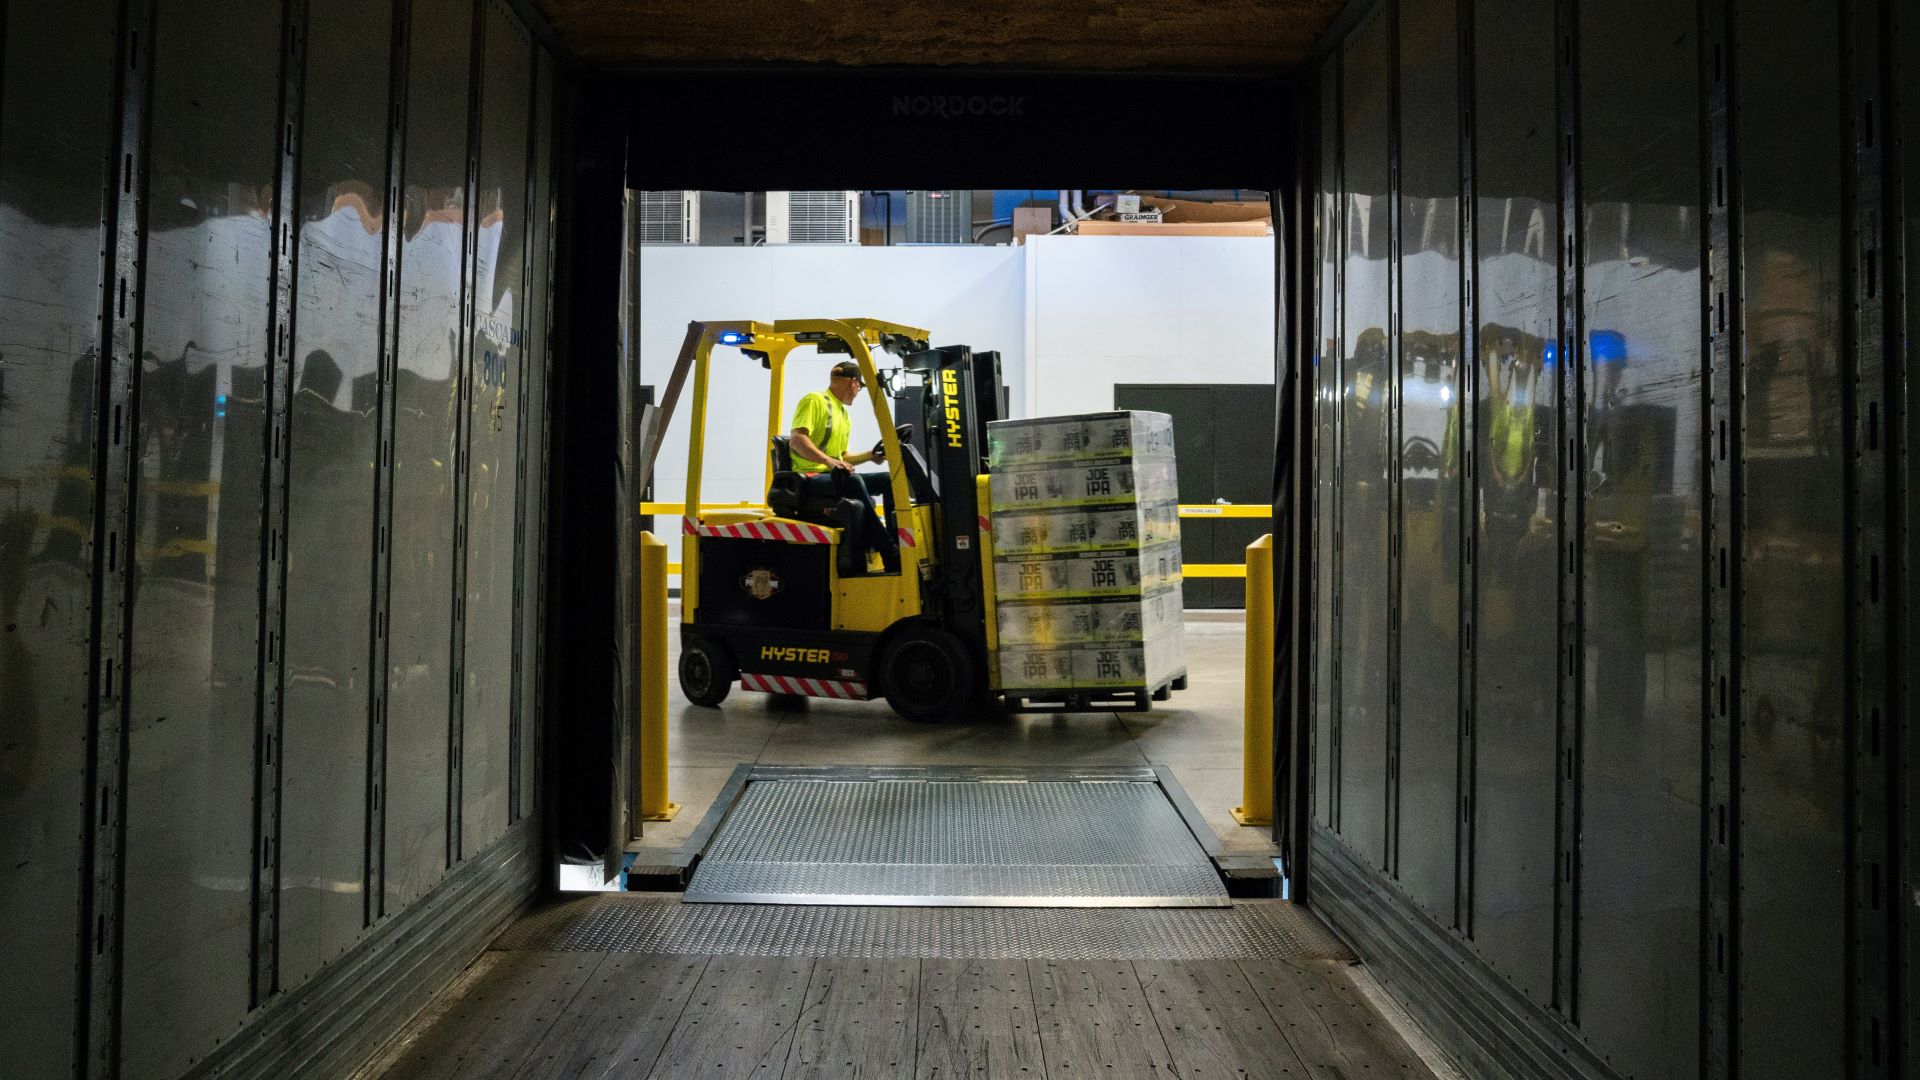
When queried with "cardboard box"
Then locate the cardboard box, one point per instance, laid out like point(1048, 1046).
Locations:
point(1036, 669)
point(1118, 481)
point(1031, 221)
point(1192, 211)
point(1139, 665)
point(1173, 228)
point(1115, 528)
point(1085, 575)
point(1082, 622)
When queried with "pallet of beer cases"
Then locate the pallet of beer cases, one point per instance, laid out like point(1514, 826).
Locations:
point(1086, 560)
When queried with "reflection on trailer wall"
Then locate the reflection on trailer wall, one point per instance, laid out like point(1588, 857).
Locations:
point(334, 422)
point(1607, 774)
point(1793, 739)
point(277, 640)
point(1428, 435)
point(53, 149)
point(202, 408)
point(1512, 446)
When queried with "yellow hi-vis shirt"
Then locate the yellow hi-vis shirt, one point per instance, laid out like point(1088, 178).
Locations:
point(826, 422)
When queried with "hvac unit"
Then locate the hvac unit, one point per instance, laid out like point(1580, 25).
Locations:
point(940, 217)
point(813, 217)
point(668, 217)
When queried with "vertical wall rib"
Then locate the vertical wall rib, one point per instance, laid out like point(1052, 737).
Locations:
point(1320, 415)
point(1338, 725)
point(1903, 38)
point(534, 611)
point(1466, 386)
point(270, 689)
point(1721, 454)
point(379, 666)
point(1570, 518)
point(1871, 907)
point(522, 435)
point(1325, 412)
point(463, 434)
point(104, 902)
point(1396, 413)
point(1294, 697)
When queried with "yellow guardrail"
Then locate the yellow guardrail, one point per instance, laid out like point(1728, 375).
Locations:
point(1193, 570)
point(1187, 510)
point(1220, 510)
point(681, 508)
point(1219, 570)
point(1225, 510)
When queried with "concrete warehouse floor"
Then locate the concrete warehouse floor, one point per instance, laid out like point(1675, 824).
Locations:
point(1198, 734)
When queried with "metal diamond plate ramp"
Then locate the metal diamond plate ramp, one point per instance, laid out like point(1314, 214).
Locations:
point(660, 923)
point(968, 844)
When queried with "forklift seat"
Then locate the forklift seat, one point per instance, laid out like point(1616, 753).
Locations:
point(787, 497)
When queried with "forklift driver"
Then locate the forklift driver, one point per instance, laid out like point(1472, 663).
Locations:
point(824, 463)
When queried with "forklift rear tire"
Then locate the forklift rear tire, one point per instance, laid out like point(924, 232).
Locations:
point(928, 674)
point(707, 672)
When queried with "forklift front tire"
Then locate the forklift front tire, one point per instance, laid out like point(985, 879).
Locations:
point(928, 674)
point(706, 671)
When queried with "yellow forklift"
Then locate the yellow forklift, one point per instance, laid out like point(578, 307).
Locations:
point(798, 598)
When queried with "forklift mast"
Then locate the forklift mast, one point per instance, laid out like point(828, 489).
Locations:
point(961, 391)
point(990, 398)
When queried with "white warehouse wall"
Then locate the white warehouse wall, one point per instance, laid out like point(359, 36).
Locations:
point(1070, 315)
point(1145, 309)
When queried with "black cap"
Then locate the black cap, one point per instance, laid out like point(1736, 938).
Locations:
point(847, 369)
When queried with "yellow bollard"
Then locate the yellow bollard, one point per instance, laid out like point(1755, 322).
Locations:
point(654, 805)
point(1256, 762)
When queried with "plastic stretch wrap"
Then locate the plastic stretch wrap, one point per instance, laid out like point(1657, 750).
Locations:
point(1102, 529)
point(1100, 482)
point(1139, 436)
point(1086, 531)
point(1072, 622)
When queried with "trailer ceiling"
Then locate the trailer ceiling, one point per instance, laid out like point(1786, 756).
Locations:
point(1082, 35)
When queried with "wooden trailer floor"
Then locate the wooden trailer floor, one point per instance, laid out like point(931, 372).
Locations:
point(598, 987)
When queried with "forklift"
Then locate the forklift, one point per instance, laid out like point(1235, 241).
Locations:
point(795, 599)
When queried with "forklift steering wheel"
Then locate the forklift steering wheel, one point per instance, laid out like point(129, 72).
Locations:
point(904, 433)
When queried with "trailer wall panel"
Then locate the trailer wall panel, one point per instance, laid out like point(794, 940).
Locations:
point(234, 237)
point(1682, 772)
point(53, 154)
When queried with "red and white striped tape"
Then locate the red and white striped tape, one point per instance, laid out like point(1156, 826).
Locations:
point(793, 684)
point(793, 532)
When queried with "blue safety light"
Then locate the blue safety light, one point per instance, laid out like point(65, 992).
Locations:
point(734, 337)
point(219, 405)
point(1607, 346)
